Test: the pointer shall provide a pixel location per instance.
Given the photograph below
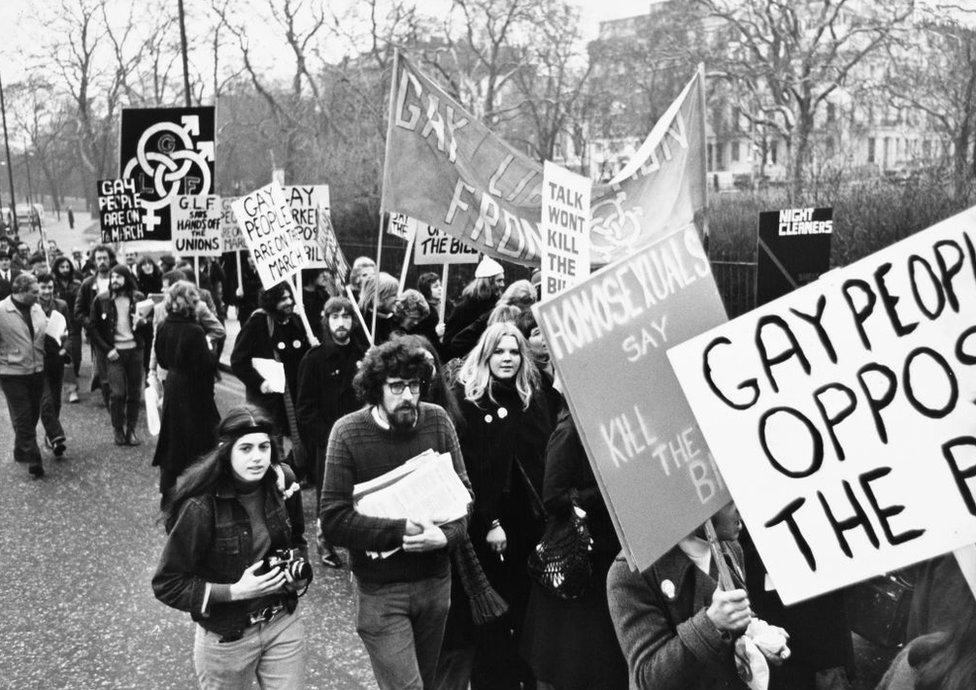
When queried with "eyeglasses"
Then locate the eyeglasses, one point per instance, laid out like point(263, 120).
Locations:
point(397, 387)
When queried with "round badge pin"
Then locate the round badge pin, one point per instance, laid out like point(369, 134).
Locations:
point(296, 344)
point(502, 413)
point(667, 588)
point(488, 419)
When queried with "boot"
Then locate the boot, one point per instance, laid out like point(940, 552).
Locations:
point(132, 408)
point(116, 408)
point(120, 437)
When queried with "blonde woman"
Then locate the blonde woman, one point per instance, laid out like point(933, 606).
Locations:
point(507, 425)
point(190, 416)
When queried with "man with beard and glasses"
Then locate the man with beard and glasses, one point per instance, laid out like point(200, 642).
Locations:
point(119, 332)
point(273, 331)
point(103, 258)
point(403, 598)
point(325, 393)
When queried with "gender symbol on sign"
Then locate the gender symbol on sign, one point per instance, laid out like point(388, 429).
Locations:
point(171, 164)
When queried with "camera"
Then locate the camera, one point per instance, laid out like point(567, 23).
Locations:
point(290, 561)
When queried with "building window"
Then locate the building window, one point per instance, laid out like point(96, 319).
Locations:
point(831, 112)
point(773, 151)
point(887, 149)
point(734, 151)
point(719, 158)
point(871, 146)
point(926, 148)
point(710, 154)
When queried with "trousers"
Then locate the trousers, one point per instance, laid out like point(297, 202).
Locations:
point(51, 400)
point(125, 385)
point(23, 393)
point(401, 625)
point(273, 653)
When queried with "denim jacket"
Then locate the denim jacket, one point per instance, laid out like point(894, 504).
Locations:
point(211, 542)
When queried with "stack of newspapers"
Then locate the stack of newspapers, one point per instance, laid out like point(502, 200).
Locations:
point(426, 486)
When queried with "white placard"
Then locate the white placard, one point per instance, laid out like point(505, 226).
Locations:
point(401, 225)
point(565, 228)
point(196, 225)
point(267, 226)
point(306, 203)
point(431, 246)
point(841, 415)
point(229, 229)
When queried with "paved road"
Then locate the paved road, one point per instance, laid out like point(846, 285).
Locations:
point(78, 550)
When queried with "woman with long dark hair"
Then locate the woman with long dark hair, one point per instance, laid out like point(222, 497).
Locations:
point(507, 425)
point(235, 559)
point(190, 416)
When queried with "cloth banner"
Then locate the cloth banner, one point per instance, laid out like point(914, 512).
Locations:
point(841, 417)
point(168, 152)
point(331, 252)
point(445, 168)
point(607, 338)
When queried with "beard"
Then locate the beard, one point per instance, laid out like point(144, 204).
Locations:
point(340, 336)
point(404, 416)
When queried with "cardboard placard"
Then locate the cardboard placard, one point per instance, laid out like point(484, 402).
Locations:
point(306, 203)
point(229, 229)
point(400, 225)
point(841, 414)
point(431, 246)
point(794, 249)
point(119, 211)
point(167, 152)
point(565, 228)
point(607, 339)
point(196, 225)
point(266, 223)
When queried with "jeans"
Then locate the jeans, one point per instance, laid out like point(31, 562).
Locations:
point(125, 383)
point(51, 401)
point(23, 395)
point(272, 652)
point(100, 372)
point(402, 626)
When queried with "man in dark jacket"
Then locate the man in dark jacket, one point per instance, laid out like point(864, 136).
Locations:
point(7, 275)
point(119, 332)
point(103, 258)
point(55, 357)
point(272, 332)
point(325, 393)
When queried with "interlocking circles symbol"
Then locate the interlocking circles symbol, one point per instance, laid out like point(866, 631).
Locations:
point(168, 166)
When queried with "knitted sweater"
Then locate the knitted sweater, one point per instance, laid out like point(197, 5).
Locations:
point(359, 450)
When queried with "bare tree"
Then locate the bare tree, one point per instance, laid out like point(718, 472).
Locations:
point(791, 56)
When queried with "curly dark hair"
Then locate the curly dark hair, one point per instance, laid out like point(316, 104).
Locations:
point(268, 299)
point(393, 359)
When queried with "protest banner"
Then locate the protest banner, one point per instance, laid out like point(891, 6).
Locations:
point(196, 225)
point(119, 211)
point(167, 152)
point(266, 223)
point(230, 231)
point(793, 250)
point(565, 228)
point(445, 168)
point(307, 202)
point(401, 225)
point(431, 246)
point(330, 249)
point(607, 338)
point(840, 416)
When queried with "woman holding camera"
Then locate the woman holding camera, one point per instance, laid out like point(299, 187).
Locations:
point(235, 559)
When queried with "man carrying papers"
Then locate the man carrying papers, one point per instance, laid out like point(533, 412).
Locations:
point(404, 597)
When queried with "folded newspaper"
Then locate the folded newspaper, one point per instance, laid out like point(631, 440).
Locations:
point(425, 486)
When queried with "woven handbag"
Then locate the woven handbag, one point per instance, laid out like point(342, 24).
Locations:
point(560, 562)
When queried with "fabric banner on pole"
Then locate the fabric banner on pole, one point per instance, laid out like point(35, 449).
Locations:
point(307, 203)
point(565, 227)
point(841, 416)
point(607, 338)
point(268, 229)
point(330, 250)
point(119, 211)
point(196, 225)
point(168, 152)
point(447, 169)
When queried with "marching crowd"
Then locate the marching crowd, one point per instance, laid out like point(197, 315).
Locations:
point(449, 605)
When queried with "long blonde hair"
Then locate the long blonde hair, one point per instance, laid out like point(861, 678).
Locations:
point(475, 374)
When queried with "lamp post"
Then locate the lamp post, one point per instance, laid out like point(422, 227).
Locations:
point(10, 167)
